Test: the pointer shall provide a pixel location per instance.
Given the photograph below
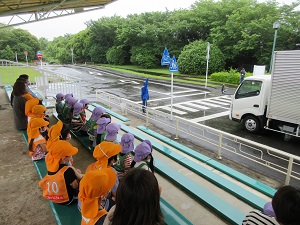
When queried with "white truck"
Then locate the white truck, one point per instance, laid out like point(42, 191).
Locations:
point(271, 101)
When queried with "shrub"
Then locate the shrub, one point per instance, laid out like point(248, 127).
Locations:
point(192, 59)
point(116, 55)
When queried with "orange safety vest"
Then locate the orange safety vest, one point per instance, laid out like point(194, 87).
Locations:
point(88, 221)
point(54, 186)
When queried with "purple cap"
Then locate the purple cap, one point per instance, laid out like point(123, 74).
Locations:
point(112, 131)
point(102, 123)
point(77, 108)
point(70, 101)
point(142, 151)
point(127, 143)
point(59, 96)
point(68, 95)
point(84, 101)
point(268, 209)
point(97, 112)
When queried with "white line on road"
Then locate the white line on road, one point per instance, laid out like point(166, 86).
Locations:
point(216, 101)
point(204, 118)
point(180, 106)
point(196, 106)
point(174, 110)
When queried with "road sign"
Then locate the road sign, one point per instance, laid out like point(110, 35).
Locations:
point(173, 66)
point(165, 60)
point(39, 55)
point(25, 53)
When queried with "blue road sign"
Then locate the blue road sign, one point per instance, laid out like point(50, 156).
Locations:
point(165, 59)
point(173, 66)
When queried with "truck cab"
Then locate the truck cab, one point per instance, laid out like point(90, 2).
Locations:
point(249, 102)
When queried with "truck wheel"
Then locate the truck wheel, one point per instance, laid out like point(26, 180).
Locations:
point(251, 124)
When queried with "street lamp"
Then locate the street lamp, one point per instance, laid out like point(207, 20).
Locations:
point(276, 25)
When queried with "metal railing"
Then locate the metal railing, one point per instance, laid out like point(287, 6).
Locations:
point(49, 83)
point(264, 157)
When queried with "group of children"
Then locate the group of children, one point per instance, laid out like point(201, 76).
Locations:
point(96, 189)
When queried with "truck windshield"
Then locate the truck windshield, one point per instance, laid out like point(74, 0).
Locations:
point(249, 88)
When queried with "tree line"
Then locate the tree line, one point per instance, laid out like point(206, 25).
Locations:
point(240, 33)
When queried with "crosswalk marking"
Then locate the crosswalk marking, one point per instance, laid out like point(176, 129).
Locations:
point(204, 118)
point(196, 106)
point(173, 110)
point(225, 99)
point(206, 103)
point(216, 102)
point(186, 108)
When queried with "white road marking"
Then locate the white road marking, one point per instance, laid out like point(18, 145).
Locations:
point(216, 101)
point(99, 78)
point(185, 108)
point(224, 100)
point(204, 118)
point(174, 110)
point(206, 103)
point(196, 106)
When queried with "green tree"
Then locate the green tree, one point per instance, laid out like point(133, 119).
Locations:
point(192, 59)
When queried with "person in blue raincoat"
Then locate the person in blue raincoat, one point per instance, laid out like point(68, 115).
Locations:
point(145, 95)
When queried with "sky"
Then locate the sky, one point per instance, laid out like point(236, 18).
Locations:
point(72, 24)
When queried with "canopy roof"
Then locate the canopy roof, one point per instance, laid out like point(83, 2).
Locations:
point(27, 11)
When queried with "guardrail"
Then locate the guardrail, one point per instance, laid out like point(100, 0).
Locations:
point(50, 83)
point(275, 162)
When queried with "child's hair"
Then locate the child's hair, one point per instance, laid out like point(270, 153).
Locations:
point(150, 164)
point(140, 189)
point(114, 157)
point(64, 131)
point(30, 145)
point(286, 205)
point(106, 116)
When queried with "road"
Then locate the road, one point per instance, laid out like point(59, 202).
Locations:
point(196, 104)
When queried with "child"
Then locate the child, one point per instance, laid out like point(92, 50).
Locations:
point(77, 122)
point(112, 130)
point(103, 153)
point(94, 188)
point(143, 156)
point(59, 105)
point(85, 104)
point(92, 125)
point(100, 132)
point(125, 157)
point(68, 110)
point(29, 105)
point(36, 142)
point(66, 178)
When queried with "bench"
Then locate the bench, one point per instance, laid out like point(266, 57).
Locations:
point(63, 214)
point(265, 189)
point(188, 184)
point(171, 215)
point(112, 113)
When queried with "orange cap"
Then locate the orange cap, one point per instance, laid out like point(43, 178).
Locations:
point(58, 151)
point(54, 133)
point(104, 151)
point(93, 185)
point(30, 104)
point(33, 127)
point(28, 96)
point(38, 111)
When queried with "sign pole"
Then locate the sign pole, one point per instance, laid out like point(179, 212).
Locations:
point(207, 59)
point(171, 95)
point(26, 60)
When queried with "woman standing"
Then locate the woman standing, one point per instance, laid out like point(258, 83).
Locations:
point(19, 102)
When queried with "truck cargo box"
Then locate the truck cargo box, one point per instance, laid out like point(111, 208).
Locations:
point(284, 102)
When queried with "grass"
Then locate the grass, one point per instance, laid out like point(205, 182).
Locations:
point(9, 74)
